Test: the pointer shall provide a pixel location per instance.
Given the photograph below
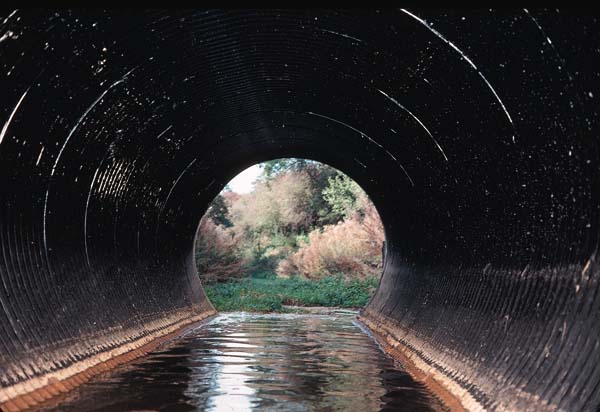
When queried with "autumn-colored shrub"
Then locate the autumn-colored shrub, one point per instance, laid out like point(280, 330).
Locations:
point(218, 254)
point(351, 248)
point(280, 205)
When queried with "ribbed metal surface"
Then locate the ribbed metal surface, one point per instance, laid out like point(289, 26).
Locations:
point(473, 132)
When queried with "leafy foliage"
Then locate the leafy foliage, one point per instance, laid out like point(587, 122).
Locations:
point(303, 219)
point(218, 256)
point(271, 168)
point(343, 195)
point(219, 212)
point(281, 205)
point(352, 248)
point(266, 295)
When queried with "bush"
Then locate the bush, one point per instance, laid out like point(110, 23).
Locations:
point(352, 248)
point(218, 255)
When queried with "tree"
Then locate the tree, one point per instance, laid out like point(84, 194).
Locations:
point(218, 211)
point(316, 209)
point(271, 168)
point(281, 206)
point(344, 196)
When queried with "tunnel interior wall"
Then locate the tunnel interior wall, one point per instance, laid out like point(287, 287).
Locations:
point(474, 133)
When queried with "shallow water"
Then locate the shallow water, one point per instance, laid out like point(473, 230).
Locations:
point(263, 362)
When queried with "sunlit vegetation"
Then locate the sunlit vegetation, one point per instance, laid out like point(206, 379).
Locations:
point(274, 294)
point(303, 222)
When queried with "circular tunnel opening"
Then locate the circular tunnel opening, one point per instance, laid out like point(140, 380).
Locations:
point(294, 219)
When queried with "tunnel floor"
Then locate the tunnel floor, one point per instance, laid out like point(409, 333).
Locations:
point(243, 362)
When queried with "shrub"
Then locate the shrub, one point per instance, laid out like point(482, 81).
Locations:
point(218, 255)
point(351, 247)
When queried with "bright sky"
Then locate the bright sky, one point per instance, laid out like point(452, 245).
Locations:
point(244, 182)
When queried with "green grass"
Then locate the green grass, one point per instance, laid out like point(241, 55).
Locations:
point(270, 294)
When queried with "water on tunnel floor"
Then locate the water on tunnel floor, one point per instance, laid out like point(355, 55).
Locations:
point(258, 362)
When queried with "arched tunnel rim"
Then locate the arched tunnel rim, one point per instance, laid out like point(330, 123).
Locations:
point(492, 115)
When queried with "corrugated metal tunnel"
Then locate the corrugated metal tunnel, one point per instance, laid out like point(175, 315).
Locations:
point(474, 133)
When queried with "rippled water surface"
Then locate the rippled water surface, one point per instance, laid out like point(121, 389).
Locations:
point(246, 362)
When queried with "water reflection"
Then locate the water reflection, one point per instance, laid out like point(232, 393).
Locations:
point(251, 362)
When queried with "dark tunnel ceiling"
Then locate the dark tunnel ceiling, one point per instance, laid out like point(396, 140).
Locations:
point(474, 132)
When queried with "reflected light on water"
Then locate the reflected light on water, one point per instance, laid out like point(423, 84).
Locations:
point(257, 362)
